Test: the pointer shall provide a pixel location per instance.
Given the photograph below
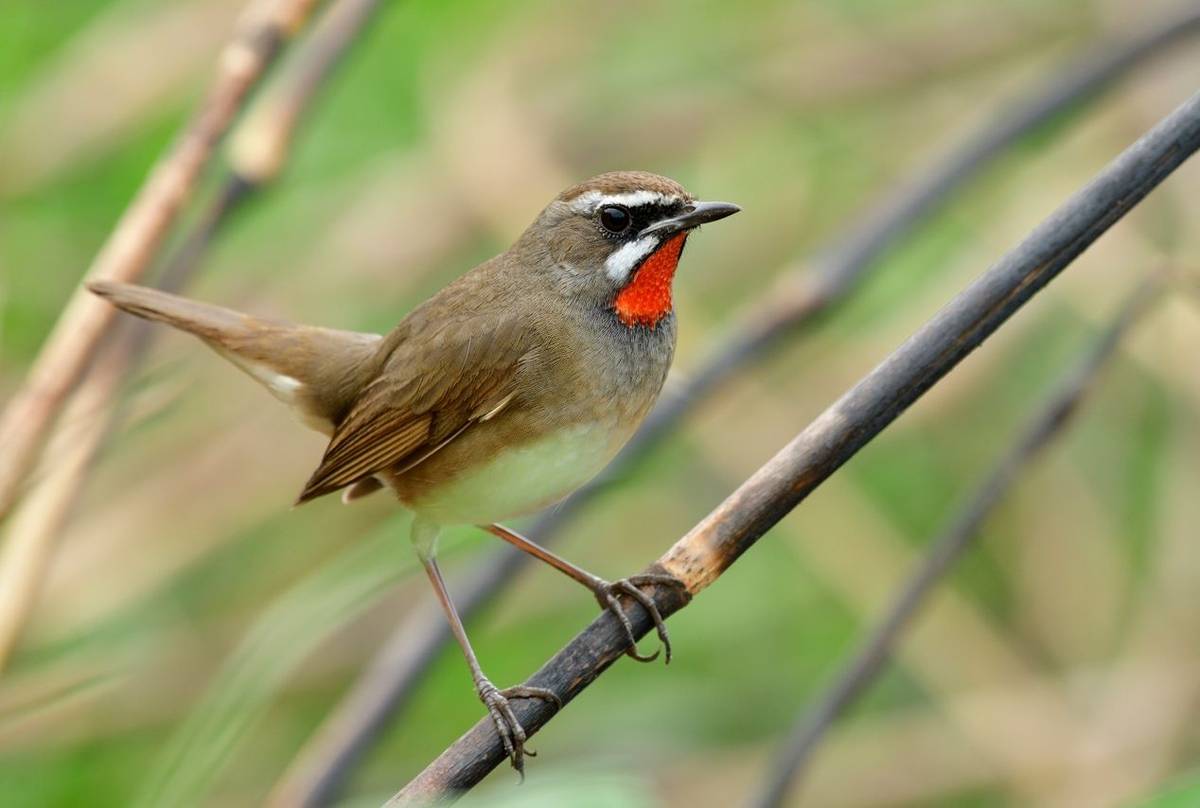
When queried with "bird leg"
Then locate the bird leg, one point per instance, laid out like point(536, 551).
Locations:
point(512, 734)
point(606, 593)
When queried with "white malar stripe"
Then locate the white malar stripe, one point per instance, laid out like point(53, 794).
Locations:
point(590, 201)
point(622, 261)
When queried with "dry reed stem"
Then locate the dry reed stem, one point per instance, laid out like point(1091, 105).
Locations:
point(260, 148)
point(39, 518)
point(131, 247)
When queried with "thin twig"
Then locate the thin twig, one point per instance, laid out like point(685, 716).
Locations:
point(319, 770)
point(963, 530)
point(259, 149)
point(131, 247)
point(713, 545)
point(262, 145)
point(38, 519)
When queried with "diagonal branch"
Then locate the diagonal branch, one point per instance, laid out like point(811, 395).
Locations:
point(801, 294)
point(131, 246)
point(262, 144)
point(260, 147)
point(713, 545)
point(869, 660)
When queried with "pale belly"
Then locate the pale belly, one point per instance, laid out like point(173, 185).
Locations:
point(521, 480)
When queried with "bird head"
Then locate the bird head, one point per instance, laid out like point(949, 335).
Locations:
point(615, 240)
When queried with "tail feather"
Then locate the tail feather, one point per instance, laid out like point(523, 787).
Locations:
point(202, 319)
point(319, 371)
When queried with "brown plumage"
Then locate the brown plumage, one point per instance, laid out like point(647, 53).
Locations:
point(264, 348)
point(500, 394)
point(428, 392)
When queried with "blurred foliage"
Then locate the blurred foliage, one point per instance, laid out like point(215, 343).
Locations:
point(195, 631)
point(1178, 795)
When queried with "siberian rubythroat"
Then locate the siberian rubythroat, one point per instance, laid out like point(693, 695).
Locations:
point(499, 395)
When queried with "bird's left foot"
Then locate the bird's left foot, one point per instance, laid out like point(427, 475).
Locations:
point(606, 596)
point(512, 734)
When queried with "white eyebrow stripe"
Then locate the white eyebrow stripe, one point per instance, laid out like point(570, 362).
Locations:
point(621, 262)
point(590, 200)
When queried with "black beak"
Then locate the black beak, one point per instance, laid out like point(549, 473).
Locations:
point(697, 214)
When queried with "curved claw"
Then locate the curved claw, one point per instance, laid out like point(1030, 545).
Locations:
point(627, 586)
point(512, 734)
point(525, 692)
point(606, 594)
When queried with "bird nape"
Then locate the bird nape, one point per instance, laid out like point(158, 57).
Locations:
point(498, 396)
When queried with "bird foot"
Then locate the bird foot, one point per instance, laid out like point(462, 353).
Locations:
point(512, 734)
point(606, 596)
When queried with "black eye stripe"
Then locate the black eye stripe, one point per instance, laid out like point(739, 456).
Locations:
point(641, 215)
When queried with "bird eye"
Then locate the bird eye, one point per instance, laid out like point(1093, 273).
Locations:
point(615, 219)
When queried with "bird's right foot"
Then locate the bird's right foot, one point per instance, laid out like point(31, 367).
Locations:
point(512, 734)
point(606, 595)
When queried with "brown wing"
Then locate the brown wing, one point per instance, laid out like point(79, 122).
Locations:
point(429, 392)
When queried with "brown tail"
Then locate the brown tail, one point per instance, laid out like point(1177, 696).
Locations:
point(205, 320)
point(317, 370)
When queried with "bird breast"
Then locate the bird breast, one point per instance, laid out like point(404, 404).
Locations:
point(520, 479)
point(578, 406)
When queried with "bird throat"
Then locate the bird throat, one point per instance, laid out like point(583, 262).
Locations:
point(647, 298)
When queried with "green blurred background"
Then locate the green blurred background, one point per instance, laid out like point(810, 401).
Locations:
point(194, 630)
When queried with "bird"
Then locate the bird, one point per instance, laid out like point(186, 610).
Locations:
point(499, 395)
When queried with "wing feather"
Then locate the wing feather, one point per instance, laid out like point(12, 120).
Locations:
point(428, 393)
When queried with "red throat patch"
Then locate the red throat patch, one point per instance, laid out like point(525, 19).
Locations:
point(647, 298)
